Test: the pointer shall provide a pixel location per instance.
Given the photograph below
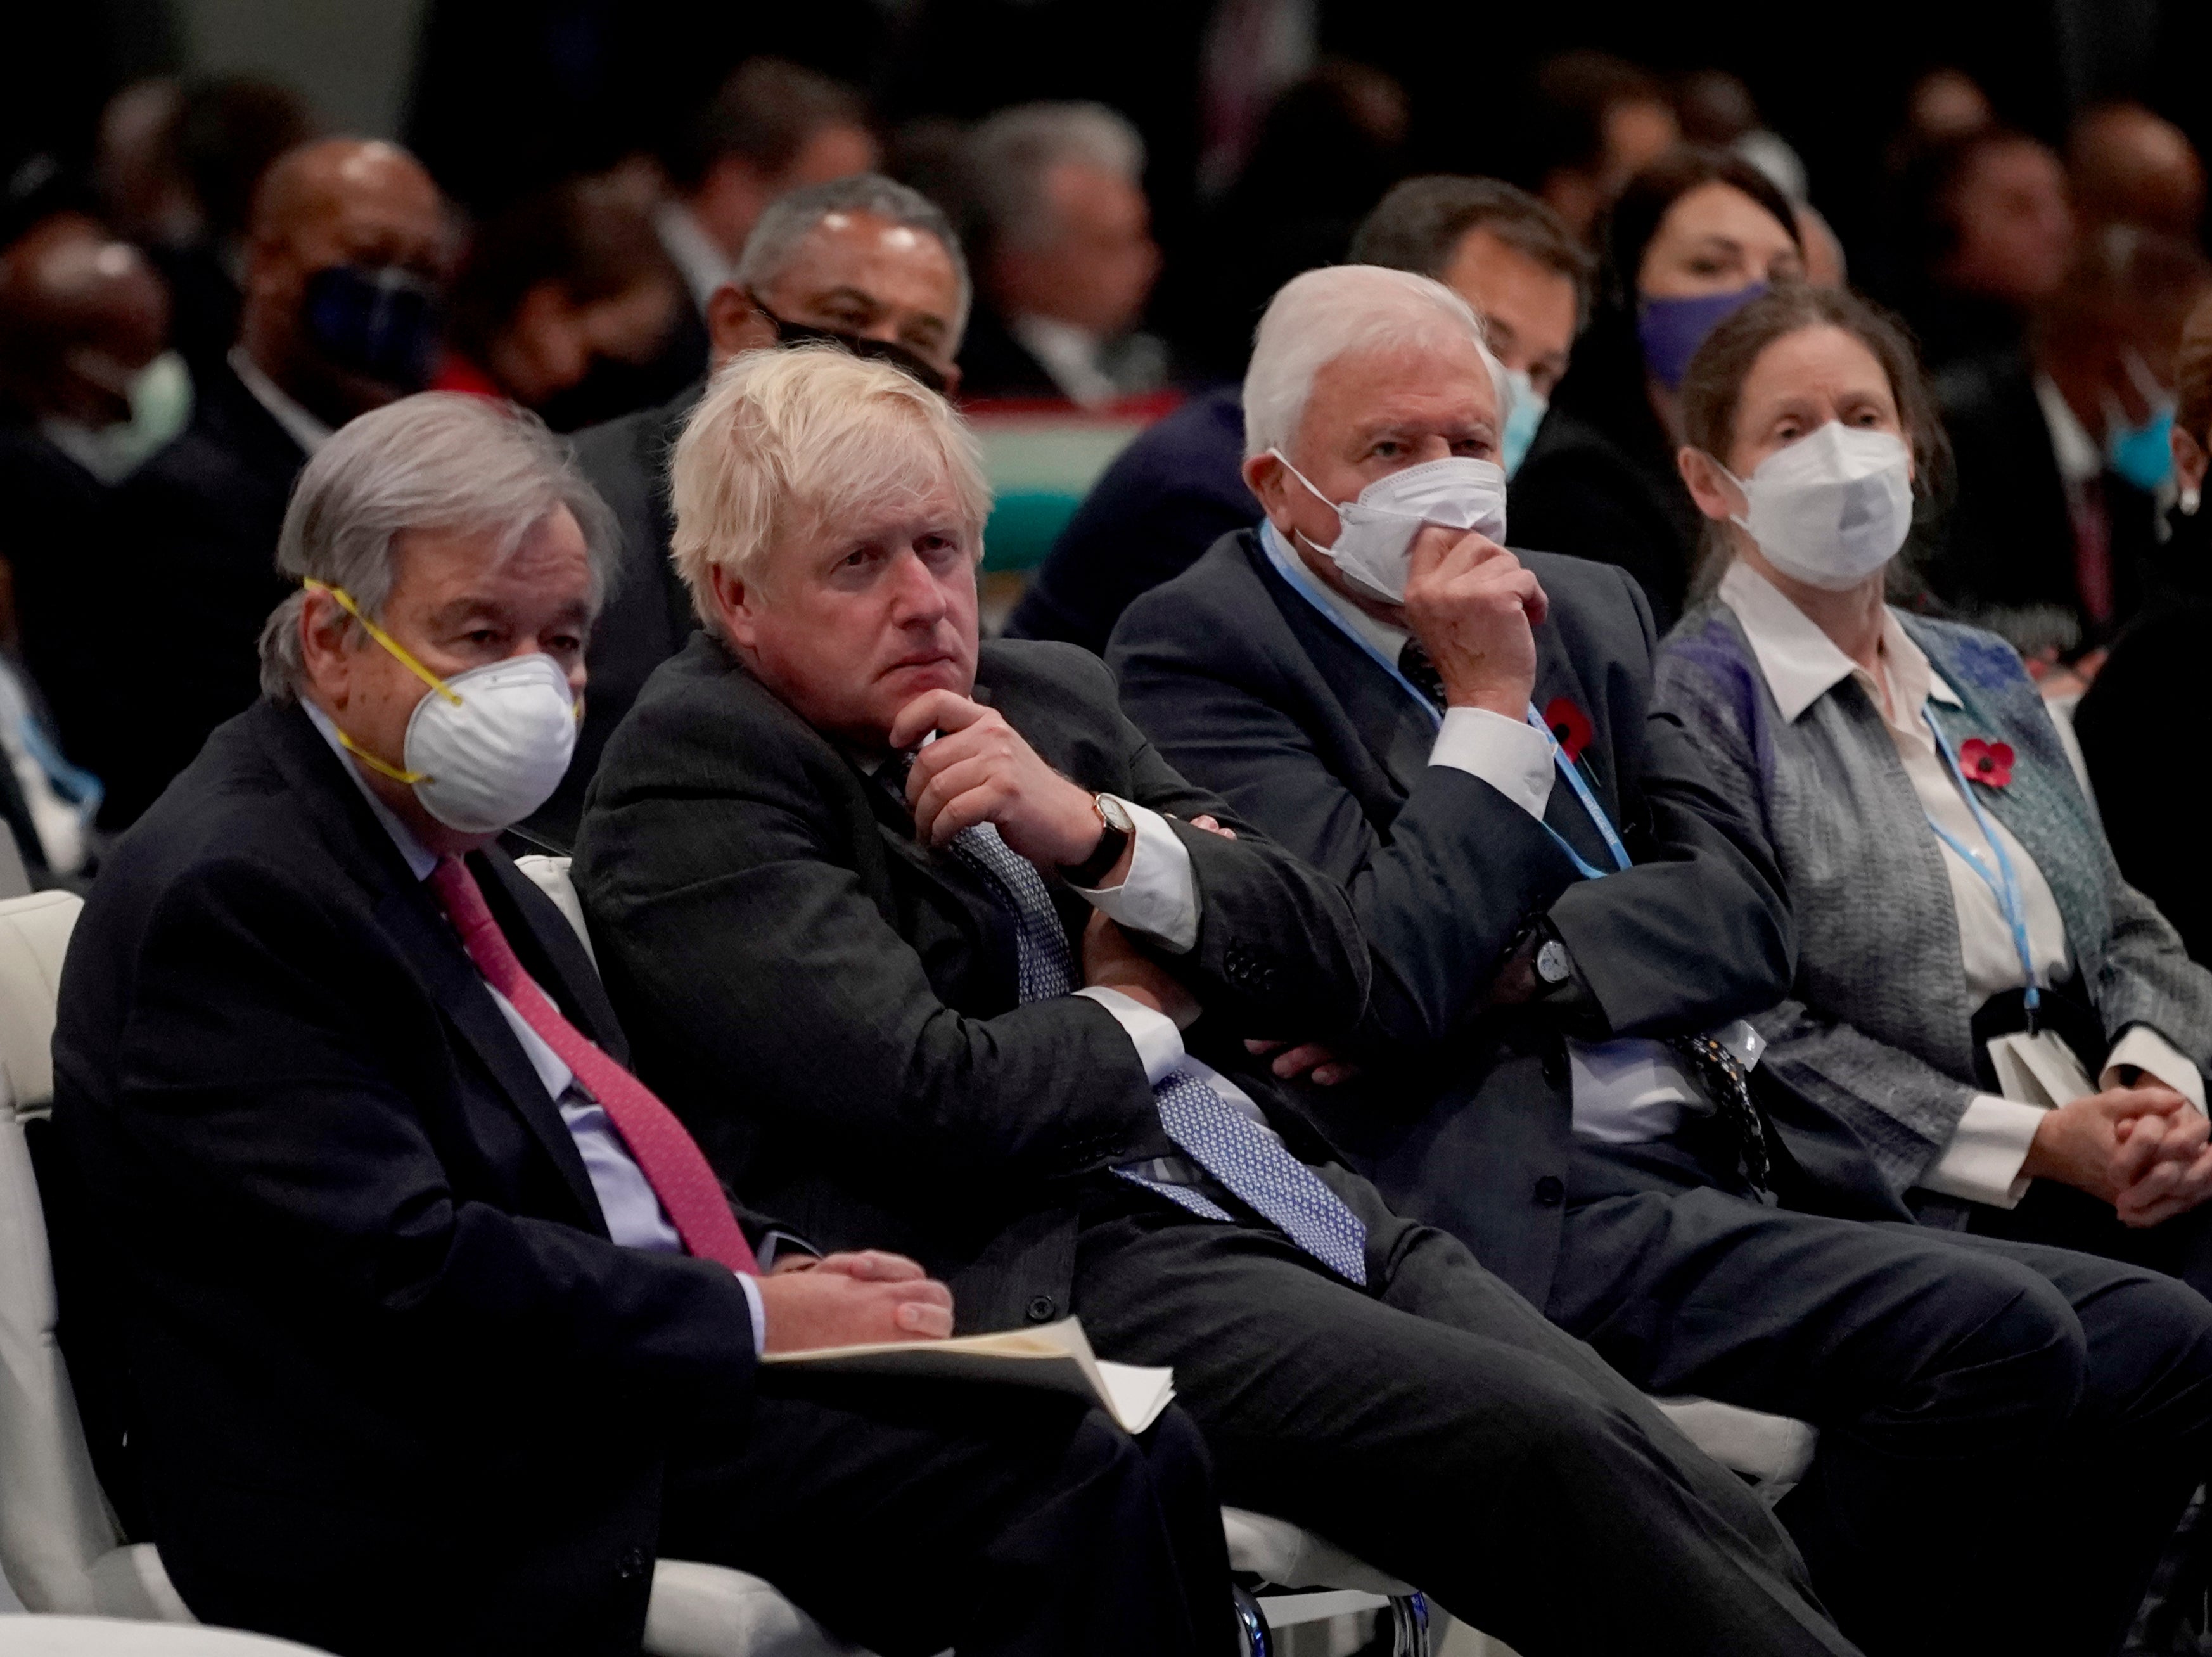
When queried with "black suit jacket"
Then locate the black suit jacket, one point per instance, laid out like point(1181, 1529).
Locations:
point(647, 614)
point(1464, 1118)
point(391, 1387)
point(53, 526)
point(195, 552)
point(834, 1009)
point(2007, 544)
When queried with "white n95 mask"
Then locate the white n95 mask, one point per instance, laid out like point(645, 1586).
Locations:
point(1374, 545)
point(1832, 508)
point(485, 748)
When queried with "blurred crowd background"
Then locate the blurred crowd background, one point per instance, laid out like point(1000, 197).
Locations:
point(1130, 182)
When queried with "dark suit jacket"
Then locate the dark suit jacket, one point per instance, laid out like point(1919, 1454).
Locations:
point(648, 613)
point(51, 532)
point(833, 1009)
point(994, 363)
point(393, 1388)
point(2009, 543)
point(1464, 1120)
point(1169, 496)
point(195, 550)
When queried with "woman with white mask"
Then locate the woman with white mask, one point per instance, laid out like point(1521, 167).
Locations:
point(2014, 1033)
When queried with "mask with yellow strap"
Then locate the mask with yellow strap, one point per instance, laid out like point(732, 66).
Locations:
point(485, 748)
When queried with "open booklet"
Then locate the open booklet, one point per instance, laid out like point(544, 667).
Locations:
point(1054, 1356)
point(2039, 1070)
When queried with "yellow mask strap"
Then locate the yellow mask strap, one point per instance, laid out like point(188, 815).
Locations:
point(406, 658)
point(383, 767)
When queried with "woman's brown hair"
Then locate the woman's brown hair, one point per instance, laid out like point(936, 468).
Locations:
point(1712, 389)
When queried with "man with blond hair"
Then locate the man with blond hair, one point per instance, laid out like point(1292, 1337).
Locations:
point(924, 942)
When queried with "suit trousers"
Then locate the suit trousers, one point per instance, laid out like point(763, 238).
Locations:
point(2008, 1432)
point(912, 1516)
point(1434, 1425)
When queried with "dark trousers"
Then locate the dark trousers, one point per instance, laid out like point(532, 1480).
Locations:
point(910, 1517)
point(1437, 1427)
point(2007, 1431)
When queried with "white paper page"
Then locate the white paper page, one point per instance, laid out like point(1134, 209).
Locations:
point(1136, 1393)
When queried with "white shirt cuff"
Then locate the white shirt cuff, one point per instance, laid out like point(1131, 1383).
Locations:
point(1512, 755)
point(2148, 1051)
point(1157, 1042)
point(1158, 896)
point(760, 1313)
point(1982, 1163)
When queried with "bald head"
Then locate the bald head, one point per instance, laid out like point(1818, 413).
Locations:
point(79, 313)
point(335, 204)
point(2130, 165)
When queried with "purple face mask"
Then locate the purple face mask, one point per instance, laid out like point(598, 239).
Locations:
point(1671, 330)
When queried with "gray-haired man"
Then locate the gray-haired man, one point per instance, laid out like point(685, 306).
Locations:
point(863, 261)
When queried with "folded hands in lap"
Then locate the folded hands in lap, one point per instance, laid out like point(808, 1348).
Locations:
point(851, 1299)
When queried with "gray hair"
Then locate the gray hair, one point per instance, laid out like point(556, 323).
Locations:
point(1010, 155)
point(438, 461)
point(791, 219)
point(1324, 314)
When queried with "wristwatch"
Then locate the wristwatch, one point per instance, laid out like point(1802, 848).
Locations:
point(1116, 828)
point(1553, 967)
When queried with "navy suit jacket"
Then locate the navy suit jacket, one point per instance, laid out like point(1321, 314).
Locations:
point(388, 1384)
point(1464, 1117)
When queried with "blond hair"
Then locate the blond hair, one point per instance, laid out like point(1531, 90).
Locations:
point(787, 441)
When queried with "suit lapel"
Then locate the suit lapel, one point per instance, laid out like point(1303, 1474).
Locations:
point(951, 890)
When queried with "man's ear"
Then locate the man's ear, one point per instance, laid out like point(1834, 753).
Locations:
point(1267, 476)
point(733, 606)
point(327, 640)
point(1714, 491)
point(735, 324)
point(2191, 461)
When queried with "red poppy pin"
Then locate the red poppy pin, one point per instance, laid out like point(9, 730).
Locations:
point(1571, 728)
point(1988, 763)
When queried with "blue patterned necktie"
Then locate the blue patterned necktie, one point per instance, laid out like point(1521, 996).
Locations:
point(1244, 1156)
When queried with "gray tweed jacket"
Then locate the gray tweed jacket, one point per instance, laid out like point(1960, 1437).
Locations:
point(1877, 1029)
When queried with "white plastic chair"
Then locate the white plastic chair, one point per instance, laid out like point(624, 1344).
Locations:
point(60, 1543)
point(108, 1637)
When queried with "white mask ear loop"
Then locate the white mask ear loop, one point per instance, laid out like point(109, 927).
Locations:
point(1312, 491)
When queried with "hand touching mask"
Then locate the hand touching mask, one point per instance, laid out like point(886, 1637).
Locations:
point(1374, 545)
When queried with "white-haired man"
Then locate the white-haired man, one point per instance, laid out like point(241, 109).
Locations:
point(437, 1327)
point(1065, 254)
point(1569, 927)
point(911, 930)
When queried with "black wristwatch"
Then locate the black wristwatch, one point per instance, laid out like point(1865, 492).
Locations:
point(1116, 828)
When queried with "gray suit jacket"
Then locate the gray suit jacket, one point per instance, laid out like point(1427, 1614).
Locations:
point(1876, 1026)
point(1464, 1117)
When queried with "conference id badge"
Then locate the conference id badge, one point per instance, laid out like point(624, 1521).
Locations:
point(2038, 1068)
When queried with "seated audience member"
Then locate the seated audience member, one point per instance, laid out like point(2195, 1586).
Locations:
point(1954, 892)
point(1693, 238)
point(1593, 122)
point(862, 260)
point(1064, 256)
point(439, 1327)
point(1987, 231)
point(948, 916)
point(347, 249)
point(88, 390)
point(2062, 449)
point(563, 305)
point(2147, 708)
point(2125, 165)
point(1559, 1058)
point(1179, 487)
point(772, 128)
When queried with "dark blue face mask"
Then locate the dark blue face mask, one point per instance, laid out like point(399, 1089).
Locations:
point(380, 323)
point(1671, 330)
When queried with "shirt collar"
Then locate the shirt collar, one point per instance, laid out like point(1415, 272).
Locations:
point(2076, 452)
point(309, 433)
point(420, 859)
point(1386, 639)
point(698, 257)
point(1801, 664)
point(1070, 354)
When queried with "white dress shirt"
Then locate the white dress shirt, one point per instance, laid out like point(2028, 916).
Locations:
point(1801, 665)
point(697, 256)
point(309, 433)
point(1628, 1091)
point(1073, 356)
point(633, 1213)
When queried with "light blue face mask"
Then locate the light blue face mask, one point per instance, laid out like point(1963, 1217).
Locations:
point(2142, 454)
point(1522, 422)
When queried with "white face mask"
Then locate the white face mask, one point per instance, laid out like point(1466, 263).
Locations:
point(1832, 508)
point(1527, 414)
point(160, 397)
point(1374, 545)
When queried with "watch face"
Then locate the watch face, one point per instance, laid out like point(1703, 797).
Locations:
point(1551, 961)
point(1116, 815)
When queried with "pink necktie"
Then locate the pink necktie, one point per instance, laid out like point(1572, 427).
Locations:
point(672, 1162)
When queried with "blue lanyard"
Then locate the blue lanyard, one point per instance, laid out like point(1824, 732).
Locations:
point(2005, 884)
point(1288, 567)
